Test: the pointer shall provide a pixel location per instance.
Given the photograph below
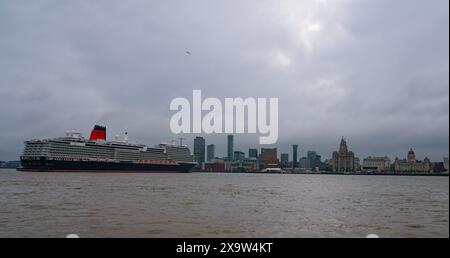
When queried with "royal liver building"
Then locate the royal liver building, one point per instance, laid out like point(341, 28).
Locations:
point(343, 160)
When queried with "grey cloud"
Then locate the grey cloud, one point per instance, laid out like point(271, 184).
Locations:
point(373, 71)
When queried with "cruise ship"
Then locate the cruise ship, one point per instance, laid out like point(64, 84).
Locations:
point(74, 153)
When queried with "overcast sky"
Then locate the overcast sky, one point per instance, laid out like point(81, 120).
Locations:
point(374, 71)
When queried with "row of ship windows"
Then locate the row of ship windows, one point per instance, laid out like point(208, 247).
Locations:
point(97, 153)
point(99, 147)
point(90, 152)
point(56, 146)
point(82, 150)
point(119, 158)
point(66, 149)
point(100, 155)
point(68, 146)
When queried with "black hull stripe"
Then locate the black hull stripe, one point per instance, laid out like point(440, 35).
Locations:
point(97, 171)
point(98, 166)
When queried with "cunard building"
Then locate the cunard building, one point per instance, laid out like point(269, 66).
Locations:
point(343, 160)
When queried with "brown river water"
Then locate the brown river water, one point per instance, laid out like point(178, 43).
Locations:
point(221, 205)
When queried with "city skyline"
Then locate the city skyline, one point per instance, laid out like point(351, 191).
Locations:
point(305, 153)
point(222, 150)
point(373, 71)
point(342, 160)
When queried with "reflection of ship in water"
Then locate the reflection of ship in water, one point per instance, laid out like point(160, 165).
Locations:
point(74, 153)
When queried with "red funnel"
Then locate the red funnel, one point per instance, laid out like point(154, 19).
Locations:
point(98, 133)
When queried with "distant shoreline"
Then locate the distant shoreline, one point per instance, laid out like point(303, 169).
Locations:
point(297, 173)
point(331, 173)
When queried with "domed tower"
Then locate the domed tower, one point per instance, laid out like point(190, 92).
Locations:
point(411, 156)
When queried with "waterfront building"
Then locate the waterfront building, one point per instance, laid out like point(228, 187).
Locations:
point(379, 164)
point(230, 147)
point(199, 150)
point(13, 164)
point(446, 164)
point(269, 158)
point(253, 153)
point(238, 155)
point(215, 165)
point(411, 165)
point(284, 157)
point(318, 162)
point(357, 164)
point(325, 165)
point(438, 167)
point(243, 165)
point(225, 165)
point(312, 159)
point(321, 166)
point(304, 163)
point(295, 156)
point(210, 152)
point(343, 160)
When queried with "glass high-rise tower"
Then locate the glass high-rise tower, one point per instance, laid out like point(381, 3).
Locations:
point(294, 156)
point(210, 152)
point(253, 153)
point(199, 150)
point(312, 157)
point(230, 147)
